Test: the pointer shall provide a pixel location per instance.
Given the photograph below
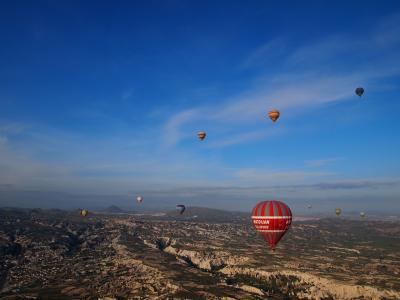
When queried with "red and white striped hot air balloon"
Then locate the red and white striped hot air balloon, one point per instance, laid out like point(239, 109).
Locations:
point(271, 219)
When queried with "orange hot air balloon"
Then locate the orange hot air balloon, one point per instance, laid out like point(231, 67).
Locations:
point(274, 115)
point(201, 135)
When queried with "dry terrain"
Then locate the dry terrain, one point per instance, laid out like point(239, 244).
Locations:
point(204, 254)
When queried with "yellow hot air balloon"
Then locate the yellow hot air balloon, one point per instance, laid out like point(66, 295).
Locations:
point(274, 115)
point(83, 212)
point(338, 211)
point(201, 135)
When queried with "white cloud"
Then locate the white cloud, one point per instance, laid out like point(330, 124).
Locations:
point(18, 168)
point(49, 159)
point(293, 90)
point(10, 128)
point(172, 133)
point(265, 54)
point(239, 138)
point(291, 94)
point(322, 50)
point(165, 176)
point(271, 177)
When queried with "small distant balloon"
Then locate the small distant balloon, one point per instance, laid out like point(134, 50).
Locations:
point(139, 199)
point(274, 115)
point(181, 208)
point(83, 212)
point(201, 135)
point(338, 211)
point(359, 91)
point(309, 206)
point(362, 215)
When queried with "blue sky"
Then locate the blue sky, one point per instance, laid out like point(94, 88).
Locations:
point(104, 99)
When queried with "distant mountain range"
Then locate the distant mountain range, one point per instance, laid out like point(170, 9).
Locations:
point(207, 214)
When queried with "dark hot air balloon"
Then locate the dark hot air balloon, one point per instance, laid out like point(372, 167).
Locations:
point(274, 115)
point(201, 135)
point(359, 91)
point(181, 208)
point(272, 220)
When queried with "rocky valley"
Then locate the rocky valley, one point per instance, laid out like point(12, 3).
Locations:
point(53, 254)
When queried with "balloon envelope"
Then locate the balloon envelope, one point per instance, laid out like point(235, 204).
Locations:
point(139, 199)
point(272, 220)
point(201, 135)
point(83, 212)
point(362, 214)
point(274, 115)
point(181, 208)
point(338, 211)
point(359, 91)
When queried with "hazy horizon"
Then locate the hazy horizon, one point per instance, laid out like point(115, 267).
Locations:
point(65, 201)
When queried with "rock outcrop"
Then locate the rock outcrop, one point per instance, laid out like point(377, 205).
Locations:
point(318, 287)
point(209, 261)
